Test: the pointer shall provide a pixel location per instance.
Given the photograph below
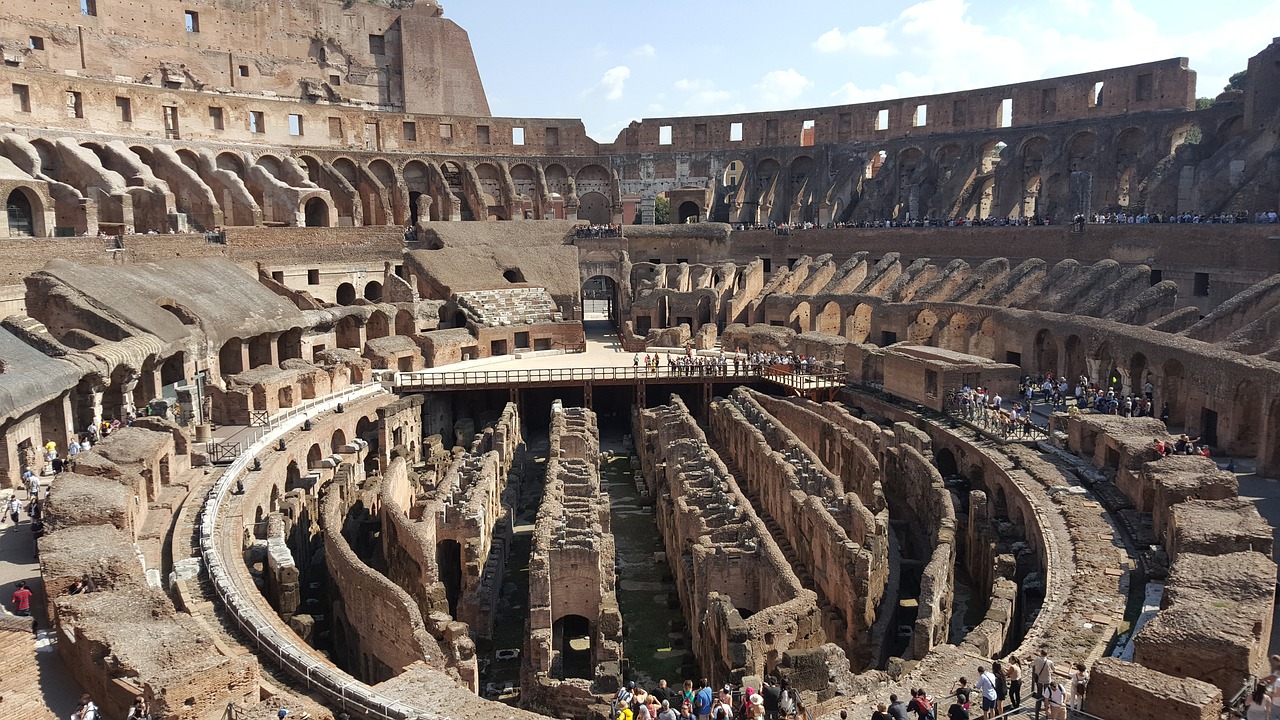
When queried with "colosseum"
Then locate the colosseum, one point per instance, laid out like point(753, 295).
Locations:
point(323, 390)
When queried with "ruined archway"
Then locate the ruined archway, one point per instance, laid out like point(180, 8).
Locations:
point(921, 331)
point(337, 441)
point(1045, 355)
point(688, 212)
point(955, 336)
point(1076, 365)
point(593, 207)
point(600, 299)
point(373, 291)
point(857, 327)
point(1172, 388)
point(22, 214)
point(316, 212)
point(1246, 418)
point(828, 321)
point(571, 638)
point(346, 294)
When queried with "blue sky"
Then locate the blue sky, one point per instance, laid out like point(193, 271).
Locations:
point(609, 61)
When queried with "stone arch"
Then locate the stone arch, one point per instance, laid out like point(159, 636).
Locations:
point(1077, 367)
point(594, 178)
point(828, 321)
point(449, 566)
point(955, 336)
point(799, 208)
point(337, 441)
point(313, 167)
point(593, 207)
point(348, 332)
point(421, 202)
point(524, 180)
point(373, 291)
point(316, 212)
point(346, 294)
point(1128, 149)
point(271, 164)
point(732, 174)
point(1108, 374)
point(557, 179)
point(405, 323)
point(1045, 354)
point(857, 327)
point(379, 325)
point(26, 213)
point(1138, 370)
point(314, 456)
point(800, 317)
point(1082, 151)
point(688, 210)
point(573, 641)
point(920, 332)
point(1172, 389)
point(1246, 419)
point(946, 462)
point(947, 157)
point(983, 342)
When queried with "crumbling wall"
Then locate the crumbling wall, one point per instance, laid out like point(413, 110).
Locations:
point(723, 557)
point(379, 624)
point(1214, 620)
point(837, 539)
point(571, 568)
point(914, 485)
point(1118, 689)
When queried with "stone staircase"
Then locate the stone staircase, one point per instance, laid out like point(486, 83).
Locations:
point(513, 306)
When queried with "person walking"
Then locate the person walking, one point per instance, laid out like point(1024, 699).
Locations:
point(1079, 685)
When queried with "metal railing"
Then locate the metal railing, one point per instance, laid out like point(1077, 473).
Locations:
point(548, 376)
point(290, 654)
point(998, 424)
point(565, 376)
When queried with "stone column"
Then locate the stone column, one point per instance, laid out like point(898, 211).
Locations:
point(246, 362)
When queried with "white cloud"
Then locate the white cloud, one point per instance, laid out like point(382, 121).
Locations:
point(871, 40)
point(646, 51)
point(779, 88)
point(611, 83)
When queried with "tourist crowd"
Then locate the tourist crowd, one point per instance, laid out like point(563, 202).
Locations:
point(775, 700)
point(597, 231)
point(997, 690)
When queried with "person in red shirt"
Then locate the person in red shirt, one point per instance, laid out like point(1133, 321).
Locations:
point(22, 599)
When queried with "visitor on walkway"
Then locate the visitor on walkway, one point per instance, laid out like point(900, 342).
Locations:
point(1041, 675)
point(1056, 699)
point(987, 686)
point(22, 599)
point(1013, 674)
point(1079, 685)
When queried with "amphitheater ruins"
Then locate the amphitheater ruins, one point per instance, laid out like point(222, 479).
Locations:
point(345, 397)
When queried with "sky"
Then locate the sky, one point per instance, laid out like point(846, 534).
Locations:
point(609, 62)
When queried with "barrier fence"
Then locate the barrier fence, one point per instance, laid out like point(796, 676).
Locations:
point(287, 653)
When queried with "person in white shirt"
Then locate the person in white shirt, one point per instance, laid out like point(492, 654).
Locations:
point(987, 686)
point(1056, 697)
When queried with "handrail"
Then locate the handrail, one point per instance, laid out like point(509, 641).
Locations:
point(466, 378)
point(305, 665)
